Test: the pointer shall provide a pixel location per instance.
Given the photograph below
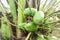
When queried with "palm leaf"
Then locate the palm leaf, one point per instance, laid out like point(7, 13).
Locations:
point(13, 9)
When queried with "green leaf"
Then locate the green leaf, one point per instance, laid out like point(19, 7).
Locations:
point(21, 7)
point(5, 29)
point(13, 9)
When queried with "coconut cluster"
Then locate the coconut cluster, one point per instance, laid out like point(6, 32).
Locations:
point(34, 21)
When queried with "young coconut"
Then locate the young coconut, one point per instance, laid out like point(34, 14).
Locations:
point(29, 12)
point(50, 20)
point(21, 26)
point(38, 17)
point(30, 27)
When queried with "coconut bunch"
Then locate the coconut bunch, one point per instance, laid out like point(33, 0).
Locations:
point(35, 22)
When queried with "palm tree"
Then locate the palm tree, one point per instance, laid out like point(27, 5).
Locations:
point(13, 16)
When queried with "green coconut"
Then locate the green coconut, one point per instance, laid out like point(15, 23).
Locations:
point(50, 20)
point(29, 12)
point(30, 27)
point(21, 26)
point(39, 17)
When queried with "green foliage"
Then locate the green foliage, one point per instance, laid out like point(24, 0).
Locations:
point(5, 29)
point(13, 9)
point(21, 7)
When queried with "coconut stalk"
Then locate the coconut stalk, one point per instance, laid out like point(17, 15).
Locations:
point(21, 6)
